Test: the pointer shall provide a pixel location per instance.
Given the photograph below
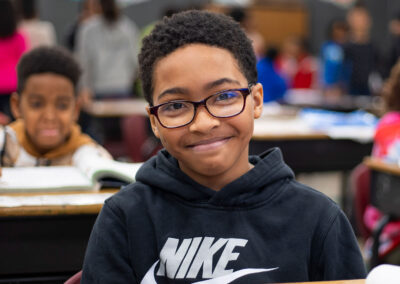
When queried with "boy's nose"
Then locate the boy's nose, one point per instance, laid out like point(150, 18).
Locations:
point(49, 113)
point(203, 121)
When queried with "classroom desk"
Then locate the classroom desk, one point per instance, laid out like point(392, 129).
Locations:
point(307, 150)
point(358, 281)
point(45, 244)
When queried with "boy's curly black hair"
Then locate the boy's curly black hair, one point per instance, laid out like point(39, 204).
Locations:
point(57, 60)
point(194, 27)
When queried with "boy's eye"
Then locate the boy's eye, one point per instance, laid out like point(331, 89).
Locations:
point(35, 104)
point(63, 105)
point(226, 97)
point(174, 108)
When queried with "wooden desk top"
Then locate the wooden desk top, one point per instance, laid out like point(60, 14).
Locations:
point(284, 128)
point(52, 210)
point(117, 107)
point(379, 165)
point(359, 281)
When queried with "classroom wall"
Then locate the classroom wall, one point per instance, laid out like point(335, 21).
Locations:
point(63, 12)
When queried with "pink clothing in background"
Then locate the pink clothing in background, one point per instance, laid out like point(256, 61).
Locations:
point(11, 49)
point(387, 132)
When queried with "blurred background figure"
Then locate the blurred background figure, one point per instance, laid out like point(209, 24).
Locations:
point(87, 9)
point(38, 32)
point(297, 65)
point(388, 129)
point(107, 47)
point(274, 86)
point(360, 54)
point(387, 147)
point(332, 60)
point(12, 45)
point(240, 15)
point(393, 53)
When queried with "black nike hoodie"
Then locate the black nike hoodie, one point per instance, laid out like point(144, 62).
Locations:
point(263, 227)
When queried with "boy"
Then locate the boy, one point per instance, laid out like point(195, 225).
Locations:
point(202, 211)
point(46, 108)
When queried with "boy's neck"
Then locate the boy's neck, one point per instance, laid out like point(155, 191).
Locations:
point(217, 182)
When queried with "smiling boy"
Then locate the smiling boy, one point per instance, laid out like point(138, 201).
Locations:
point(46, 108)
point(202, 210)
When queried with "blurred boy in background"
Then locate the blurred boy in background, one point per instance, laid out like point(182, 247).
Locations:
point(46, 108)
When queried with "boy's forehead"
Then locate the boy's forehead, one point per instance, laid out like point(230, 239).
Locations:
point(197, 63)
point(47, 83)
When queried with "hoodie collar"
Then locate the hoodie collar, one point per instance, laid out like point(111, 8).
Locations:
point(265, 179)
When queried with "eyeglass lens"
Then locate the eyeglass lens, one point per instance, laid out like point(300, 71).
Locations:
point(179, 113)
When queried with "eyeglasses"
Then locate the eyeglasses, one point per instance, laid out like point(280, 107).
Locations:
point(178, 113)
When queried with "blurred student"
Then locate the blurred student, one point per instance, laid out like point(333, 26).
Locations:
point(393, 53)
point(87, 9)
point(39, 32)
point(332, 59)
point(241, 16)
point(107, 47)
point(202, 210)
point(12, 45)
point(274, 86)
point(46, 107)
point(387, 147)
point(296, 64)
point(361, 56)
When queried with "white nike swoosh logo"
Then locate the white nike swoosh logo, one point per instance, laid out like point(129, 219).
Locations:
point(235, 275)
point(149, 277)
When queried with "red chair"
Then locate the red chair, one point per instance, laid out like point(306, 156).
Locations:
point(139, 146)
point(75, 279)
point(360, 179)
point(134, 135)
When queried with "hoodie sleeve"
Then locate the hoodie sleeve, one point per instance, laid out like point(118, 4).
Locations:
point(338, 256)
point(107, 259)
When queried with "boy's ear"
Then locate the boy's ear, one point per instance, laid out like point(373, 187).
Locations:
point(153, 123)
point(257, 95)
point(14, 105)
point(77, 108)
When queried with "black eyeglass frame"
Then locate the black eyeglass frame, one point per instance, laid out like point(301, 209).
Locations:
point(243, 91)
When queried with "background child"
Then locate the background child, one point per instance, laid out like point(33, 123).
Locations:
point(46, 107)
point(202, 208)
point(386, 147)
point(12, 45)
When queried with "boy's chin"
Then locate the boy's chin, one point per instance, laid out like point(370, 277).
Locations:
point(47, 146)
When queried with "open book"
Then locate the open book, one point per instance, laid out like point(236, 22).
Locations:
point(89, 174)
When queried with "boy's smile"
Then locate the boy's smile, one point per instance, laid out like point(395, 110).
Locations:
point(49, 109)
point(213, 151)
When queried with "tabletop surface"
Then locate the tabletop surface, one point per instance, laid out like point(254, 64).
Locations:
point(379, 165)
point(51, 210)
point(359, 281)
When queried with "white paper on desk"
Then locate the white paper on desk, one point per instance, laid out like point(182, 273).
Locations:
point(362, 134)
point(266, 126)
point(62, 199)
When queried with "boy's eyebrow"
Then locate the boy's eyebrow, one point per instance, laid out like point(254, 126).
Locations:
point(176, 90)
point(220, 82)
point(208, 86)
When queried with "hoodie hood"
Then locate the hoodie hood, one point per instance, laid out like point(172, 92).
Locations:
point(257, 185)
